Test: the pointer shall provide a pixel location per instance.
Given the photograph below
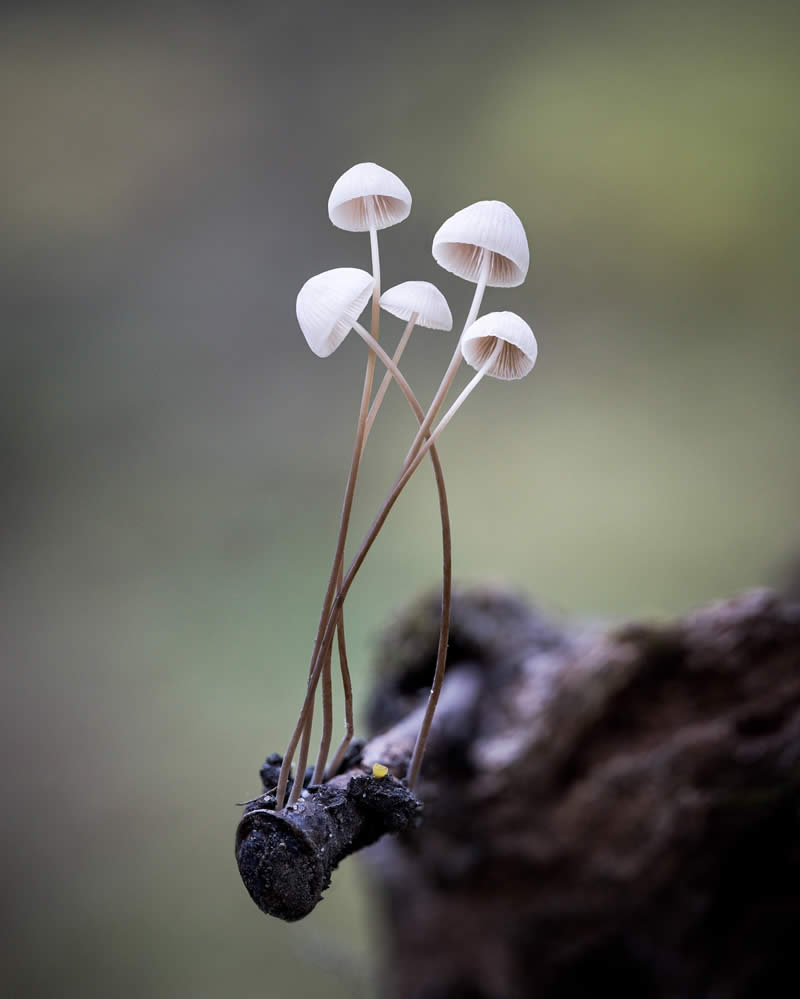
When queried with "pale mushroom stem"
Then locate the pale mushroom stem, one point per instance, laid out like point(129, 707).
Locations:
point(333, 618)
point(377, 351)
point(452, 368)
point(438, 677)
point(327, 699)
point(363, 551)
point(376, 404)
point(327, 722)
point(342, 647)
point(459, 402)
point(361, 555)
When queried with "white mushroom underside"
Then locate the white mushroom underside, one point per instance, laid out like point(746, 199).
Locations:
point(354, 214)
point(511, 363)
point(465, 260)
point(489, 226)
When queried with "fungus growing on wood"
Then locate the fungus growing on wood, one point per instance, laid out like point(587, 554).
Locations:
point(484, 243)
point(328, 306)
point(366, 198)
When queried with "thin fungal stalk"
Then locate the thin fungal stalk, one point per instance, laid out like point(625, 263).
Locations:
point(349, 726)
point(378, 351)
point(327, 705)
point(447, 568)
point(379, 395)
point(332, 622)
point(369, 540)
point(327, 700)
point(438, 677)
point(452, 368)
point(343, 746)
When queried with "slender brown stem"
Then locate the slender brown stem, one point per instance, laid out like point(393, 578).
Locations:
point(376, 404)
point(342, 647)
point(327, 700)
point(423, 430)
point(327, 720)
point(455, 361)
point(321, 660)
point(349, 727)
point(327, 705)
point(348, 579)
point(348, 699)
point(345, 670)
point(395, 372)
point(411, 463)
point(372, 534)
point(438, 676)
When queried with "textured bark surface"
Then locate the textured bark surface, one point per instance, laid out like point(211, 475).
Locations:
point(286, 858)
point(605, 812)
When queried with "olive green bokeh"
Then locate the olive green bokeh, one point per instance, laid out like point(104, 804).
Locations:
point(176, 456)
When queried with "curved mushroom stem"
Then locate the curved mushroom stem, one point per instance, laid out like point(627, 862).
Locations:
point(459, 402)
point(376, 404)
point(327, 700)
point(341, 750)
point(452, 368)
point(438, 676)
point(394, 371)
point(367, 543)
point(332, 622)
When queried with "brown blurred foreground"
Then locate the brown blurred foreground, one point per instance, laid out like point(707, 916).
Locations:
point(604, 813)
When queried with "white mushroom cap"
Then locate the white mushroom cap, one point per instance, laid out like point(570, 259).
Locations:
point(362, 185)
point(329, 304)
point(518, 355)
point(420, 298)
point(486, 225)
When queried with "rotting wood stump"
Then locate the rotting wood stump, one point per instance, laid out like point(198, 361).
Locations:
point(603, 810)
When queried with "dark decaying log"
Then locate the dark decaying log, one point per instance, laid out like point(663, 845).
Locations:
point(286, 858)
point(618, 814)
point(604, 811)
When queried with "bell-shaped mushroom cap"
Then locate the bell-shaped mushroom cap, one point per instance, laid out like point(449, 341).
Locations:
point(518, 355)
point(329, 304)
point(420, 298)
point(365, 185)
point(486, 225)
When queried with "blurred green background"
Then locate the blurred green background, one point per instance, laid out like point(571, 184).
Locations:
point(174, 456)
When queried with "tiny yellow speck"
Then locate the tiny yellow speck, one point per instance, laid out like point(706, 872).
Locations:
point(379, 770)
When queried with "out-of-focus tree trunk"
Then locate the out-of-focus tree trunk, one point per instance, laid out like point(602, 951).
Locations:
point(606, 812)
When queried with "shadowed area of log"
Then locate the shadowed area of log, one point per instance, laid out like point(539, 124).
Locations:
point(617, 811)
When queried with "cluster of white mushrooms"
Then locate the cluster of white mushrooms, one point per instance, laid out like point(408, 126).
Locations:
point(484, 243)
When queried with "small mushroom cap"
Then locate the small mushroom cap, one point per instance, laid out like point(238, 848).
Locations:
point(329, 304)
point(518, 355)
point(362, 185)
point(486, 225)
point(421, 298)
